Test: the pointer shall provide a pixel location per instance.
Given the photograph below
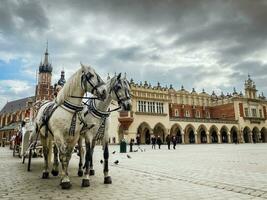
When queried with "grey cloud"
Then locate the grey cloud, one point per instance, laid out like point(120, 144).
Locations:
point(232, 31)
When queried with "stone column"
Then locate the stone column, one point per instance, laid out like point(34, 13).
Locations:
point(241, 139)
point(250, 137)
point(196, 142)
point(219, 138)
point(229, 137)
point(183, 139)
point(208, 137)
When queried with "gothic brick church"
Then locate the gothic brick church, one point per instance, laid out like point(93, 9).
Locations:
point(15, 111)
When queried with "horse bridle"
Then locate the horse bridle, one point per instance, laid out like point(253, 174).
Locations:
point(115, 88)
point(88, 77)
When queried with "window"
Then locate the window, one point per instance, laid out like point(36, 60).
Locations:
point(197, 114)
point(150, 107)
point(254, 112)
point(176, 113)
point(246, 112)
point(260, 111)
point(207, 114)
point(187, 113)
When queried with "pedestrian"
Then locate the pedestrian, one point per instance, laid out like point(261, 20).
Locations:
point(174, 141)
point(159, 141)
point(138, 140)
point(168, 140)
point(153, 141)
point(131, 145)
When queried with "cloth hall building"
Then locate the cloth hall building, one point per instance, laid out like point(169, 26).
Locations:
point(195, 117)
point(190, 116)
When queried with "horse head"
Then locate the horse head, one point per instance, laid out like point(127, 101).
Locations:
point(92, 82)
point(121, 92)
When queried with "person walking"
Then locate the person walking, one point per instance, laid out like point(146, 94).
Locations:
point(174, 141)
point(159, 141)
point(138, 140)
point(153, 141)
point(168, 140)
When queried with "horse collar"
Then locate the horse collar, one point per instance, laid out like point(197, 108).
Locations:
point(73, 107)
point(91, 107)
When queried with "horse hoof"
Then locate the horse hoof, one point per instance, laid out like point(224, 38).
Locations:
point(107, 180)
point(45, 175)
point(65, 185)
point(80, 173)
point(92, 172)
point(54, 172)
point(85, 183)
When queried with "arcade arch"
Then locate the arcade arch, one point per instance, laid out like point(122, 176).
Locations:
point(255, 135)
point(234, 134)
point(190, 134)
point(214, 134)
point(144, 130)
point(176, 130)
point(263, 134)
point(246, 134)
point(224, 135)
point(160, 130)
point(202, 134)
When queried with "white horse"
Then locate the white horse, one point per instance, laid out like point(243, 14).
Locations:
point(96, 117)
point(60, 120)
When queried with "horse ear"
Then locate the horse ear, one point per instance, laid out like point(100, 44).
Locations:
point(119, 76)
point(82, 67)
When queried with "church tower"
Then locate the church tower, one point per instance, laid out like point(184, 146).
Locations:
point(44, 89)
point(250, 89)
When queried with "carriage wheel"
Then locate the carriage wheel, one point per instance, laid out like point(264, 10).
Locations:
point(23, 159)
point(29, 160)
point(14, 151)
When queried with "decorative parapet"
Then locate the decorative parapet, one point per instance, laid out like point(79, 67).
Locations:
point(202, 120)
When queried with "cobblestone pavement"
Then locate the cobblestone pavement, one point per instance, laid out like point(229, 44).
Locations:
point(221, 171)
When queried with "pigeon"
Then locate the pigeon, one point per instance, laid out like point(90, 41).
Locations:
point(116, 162)
point(128, 156)
point(135, 150)
point(113, 152)
point(101, 161)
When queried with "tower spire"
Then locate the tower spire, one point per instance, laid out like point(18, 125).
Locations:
point(46, 55)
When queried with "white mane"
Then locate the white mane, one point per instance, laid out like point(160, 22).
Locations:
point(69, 86)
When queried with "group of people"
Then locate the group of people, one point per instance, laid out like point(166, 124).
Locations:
point(158, 141)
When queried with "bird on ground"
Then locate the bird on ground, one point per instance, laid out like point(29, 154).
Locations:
point(116, 162)
point(113, 152)
point(128, 156)
point(135, 150)
point(101, 161)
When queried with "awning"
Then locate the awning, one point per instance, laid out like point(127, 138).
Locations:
point(11, 126)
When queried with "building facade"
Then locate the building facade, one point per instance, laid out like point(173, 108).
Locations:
point(14, 112)
point(193, 117)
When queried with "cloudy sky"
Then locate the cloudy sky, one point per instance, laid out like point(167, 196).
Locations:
point(201, 44)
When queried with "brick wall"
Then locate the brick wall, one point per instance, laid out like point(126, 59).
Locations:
point(225, 111)
point(191, 109)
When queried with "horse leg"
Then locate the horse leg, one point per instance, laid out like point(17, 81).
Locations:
point(92, 171)
point(81, 155)
point(107, 178)
point(86, 180)
point(45, 152)
point(55, 170)
point(64, 156)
